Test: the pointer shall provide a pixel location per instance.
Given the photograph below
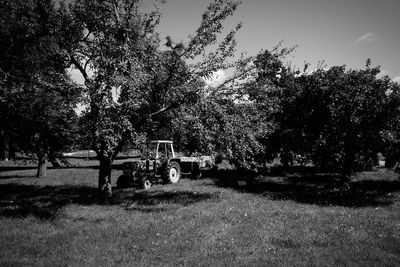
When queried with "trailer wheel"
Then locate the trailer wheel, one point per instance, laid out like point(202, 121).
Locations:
point(196, 173)
point(173, 172)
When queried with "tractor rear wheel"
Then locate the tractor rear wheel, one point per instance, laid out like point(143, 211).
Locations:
point(172, 172)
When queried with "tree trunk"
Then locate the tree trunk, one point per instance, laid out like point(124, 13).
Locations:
point(4, 148)
point(104, 186)
point(348, 164)
point(11, 150)
point(286, 159)
point(53, 159)
point(41, 171)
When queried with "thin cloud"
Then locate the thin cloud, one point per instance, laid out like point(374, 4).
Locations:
point(367, 38)
point(396, 79)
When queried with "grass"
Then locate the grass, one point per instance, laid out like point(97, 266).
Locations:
point(281, 220)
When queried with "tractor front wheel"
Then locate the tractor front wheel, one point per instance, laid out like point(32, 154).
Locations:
point(124, 181)
point(146, 184)
point(173, 172)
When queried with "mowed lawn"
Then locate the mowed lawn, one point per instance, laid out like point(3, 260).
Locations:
point(285, 220)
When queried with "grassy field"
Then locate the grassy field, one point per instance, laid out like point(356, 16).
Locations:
point(281, 220)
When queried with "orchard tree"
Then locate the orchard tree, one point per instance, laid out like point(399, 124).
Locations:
point(115, 47)
point(360, 105)
point(391, 134)
point(332, 116)
point(223, 127)
point(266, 85)
point(37, 96)
point(234, 118)
point(300, 116)
point(337, 117)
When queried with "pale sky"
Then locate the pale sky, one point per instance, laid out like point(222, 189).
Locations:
point(336, 31)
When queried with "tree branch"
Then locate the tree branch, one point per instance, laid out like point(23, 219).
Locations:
point(161, 110)
point(80, 68)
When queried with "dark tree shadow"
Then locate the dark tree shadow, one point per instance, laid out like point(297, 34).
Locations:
point(116, 166)
point(16, 168)
point(324, 190)
point(18, 176)
point(45, 202)
point(151, 201)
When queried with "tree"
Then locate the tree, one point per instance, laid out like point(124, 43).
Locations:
point(335, 116)
point(332, 116)
point(117, 42)
point(267, 88)
point(234, 119)
point(37, 96)
point(361, 105)
point(300, 116)
point(220, 126)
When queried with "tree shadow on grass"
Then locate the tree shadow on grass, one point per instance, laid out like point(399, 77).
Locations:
point(45, 202)
point(324, 190)
point(18, 176)
point(16, 168)
point(157, 201)
point(115, 166)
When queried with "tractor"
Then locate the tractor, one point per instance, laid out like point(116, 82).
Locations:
point(158, 162)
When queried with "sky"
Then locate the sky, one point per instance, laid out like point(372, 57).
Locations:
point(339, 32)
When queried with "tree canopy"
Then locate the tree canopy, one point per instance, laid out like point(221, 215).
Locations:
point(37, 96)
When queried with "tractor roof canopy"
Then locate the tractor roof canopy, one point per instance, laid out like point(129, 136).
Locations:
point(161, 141)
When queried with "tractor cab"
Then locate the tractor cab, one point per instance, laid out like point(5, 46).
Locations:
point(159, 149)
point(159, 156)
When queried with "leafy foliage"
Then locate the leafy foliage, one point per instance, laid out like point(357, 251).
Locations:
point(361, 107)
point(37, 96)
point(336, 117)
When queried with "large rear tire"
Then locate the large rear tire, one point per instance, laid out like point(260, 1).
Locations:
point(172, 172)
